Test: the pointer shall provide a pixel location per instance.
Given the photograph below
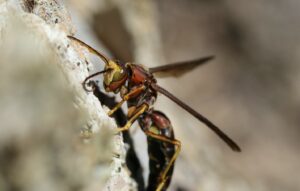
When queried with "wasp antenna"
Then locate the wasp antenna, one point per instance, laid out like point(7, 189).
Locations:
point(200, 117)
point(91, 50)
point(85, 84)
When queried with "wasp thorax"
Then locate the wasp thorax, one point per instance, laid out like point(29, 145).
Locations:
point(115, 76)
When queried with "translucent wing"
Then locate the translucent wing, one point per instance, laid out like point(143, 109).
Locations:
point(179, 68)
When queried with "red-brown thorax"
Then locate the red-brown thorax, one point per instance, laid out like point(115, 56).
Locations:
point(139, 75)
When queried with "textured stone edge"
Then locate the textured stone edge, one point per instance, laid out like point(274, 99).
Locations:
point(51, 21)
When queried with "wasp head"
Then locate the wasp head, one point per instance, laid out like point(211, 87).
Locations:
point(115, 76)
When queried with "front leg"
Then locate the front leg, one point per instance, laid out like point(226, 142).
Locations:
point(140, 110)
point(126, 97)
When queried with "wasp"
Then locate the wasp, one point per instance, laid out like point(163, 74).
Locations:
point(138, 87)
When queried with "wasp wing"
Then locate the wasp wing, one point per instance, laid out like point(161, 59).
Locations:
point(200, 117)
point(179, 68)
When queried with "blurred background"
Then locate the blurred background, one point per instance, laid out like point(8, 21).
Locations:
point(251, 90)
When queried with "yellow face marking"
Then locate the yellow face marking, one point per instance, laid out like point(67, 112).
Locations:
point(116, 71)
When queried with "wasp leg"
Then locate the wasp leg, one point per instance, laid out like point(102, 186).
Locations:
point(126, 97)
point(112, 111)
point(171, 141)
point(144, 107)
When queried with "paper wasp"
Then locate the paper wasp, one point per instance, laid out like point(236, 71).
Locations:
point(138, 87)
